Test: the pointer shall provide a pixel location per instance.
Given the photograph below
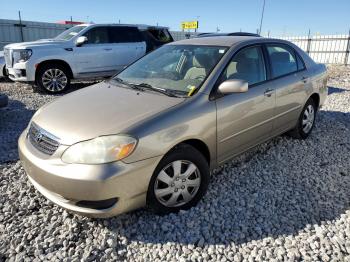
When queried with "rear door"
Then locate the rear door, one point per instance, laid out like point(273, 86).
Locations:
point(94, 58)
point(245, 119)
point(128, 45)
point(289, 78)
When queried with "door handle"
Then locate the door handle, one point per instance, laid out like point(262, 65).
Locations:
point(304, 79)
point(107, 49)
point(268, 92)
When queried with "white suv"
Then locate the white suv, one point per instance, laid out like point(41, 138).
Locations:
point(82, 52)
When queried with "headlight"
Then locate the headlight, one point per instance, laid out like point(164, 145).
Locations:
point(21, 55)
point(100, 150)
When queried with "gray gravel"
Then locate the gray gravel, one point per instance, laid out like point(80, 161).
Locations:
point(284, 200)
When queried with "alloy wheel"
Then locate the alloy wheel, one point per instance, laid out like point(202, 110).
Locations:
point(54, 80)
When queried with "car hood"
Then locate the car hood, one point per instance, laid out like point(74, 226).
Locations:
point(101, 109)
point(34, 44)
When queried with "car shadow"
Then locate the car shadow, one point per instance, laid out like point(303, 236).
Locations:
point(270, 194)
point(14, 118)
point(332, 90)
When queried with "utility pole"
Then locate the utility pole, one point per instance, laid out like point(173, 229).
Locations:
point(195, 30)
point(262, 17)
point(20, 25)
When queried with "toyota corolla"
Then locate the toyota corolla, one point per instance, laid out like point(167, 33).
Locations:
point(150, 135)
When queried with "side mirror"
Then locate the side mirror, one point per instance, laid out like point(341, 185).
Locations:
point(81, 40)
point(233, 86)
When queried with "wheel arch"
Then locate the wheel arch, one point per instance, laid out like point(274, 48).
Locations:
point(198, 144)
point(316, 98)
point(53, 61)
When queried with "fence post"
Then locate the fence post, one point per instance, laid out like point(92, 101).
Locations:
point(308, 43)
point(20, 25)
point(347, 50)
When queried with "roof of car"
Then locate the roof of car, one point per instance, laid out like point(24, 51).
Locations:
point(216, 40)
point(140, 26)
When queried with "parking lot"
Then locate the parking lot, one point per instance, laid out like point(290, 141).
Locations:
point(285, 200)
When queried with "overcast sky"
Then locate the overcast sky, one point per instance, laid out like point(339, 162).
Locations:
point(282, 17)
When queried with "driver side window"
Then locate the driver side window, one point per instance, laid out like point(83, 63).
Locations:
point(97, 35)
point(248, 64)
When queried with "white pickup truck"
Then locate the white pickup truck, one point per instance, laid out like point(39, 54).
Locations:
point(82, 52)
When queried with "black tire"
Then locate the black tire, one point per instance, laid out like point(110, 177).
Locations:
point(46, 69)
point(184, 153)
point(6, 76)
point(299, 132)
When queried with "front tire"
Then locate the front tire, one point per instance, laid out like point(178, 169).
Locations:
point(306, 121)
point(53, 78)
point(5, 75)
point(180, 180)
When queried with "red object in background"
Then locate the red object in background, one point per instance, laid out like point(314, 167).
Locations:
point(69, 22)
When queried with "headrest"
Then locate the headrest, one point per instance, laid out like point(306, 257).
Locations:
point(202, 61)
point(280, 57)
point(246, 65)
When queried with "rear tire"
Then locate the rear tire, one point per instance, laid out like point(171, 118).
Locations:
point(306, 121)
point(53, 78)
point(180, 180)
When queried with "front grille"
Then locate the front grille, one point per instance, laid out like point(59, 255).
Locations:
point(8, 57)
point(42, 140)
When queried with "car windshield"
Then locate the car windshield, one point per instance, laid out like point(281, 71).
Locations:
point(70, 33)
point(176, 68)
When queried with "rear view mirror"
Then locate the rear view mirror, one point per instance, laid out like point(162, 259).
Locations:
point(81, 40)
point(233, 86)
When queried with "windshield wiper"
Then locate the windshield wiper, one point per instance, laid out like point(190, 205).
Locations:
point(157, 89)
point(143, 86)
point(133, 86)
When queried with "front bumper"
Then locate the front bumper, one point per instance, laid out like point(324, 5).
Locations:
point(22, 72)
point(68, 184)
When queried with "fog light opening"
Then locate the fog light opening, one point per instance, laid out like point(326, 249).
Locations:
point(100, 204)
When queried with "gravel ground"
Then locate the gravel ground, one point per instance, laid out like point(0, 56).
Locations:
point(284, 200)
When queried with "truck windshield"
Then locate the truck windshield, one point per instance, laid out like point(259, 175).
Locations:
point(177, 68)
point(70, 33)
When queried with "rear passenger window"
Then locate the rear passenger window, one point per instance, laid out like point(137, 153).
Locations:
point(248, 64)
point(97, 35)
point(282, 60)
point(161, 35)
point(122, 34)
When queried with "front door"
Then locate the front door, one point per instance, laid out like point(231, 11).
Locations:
point(245, 119)
point(95, 58)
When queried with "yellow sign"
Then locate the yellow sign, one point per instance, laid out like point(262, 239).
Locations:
point(189, 25)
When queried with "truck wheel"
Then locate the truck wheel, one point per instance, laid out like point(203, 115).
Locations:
point(53, 78)
point(5, 74)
